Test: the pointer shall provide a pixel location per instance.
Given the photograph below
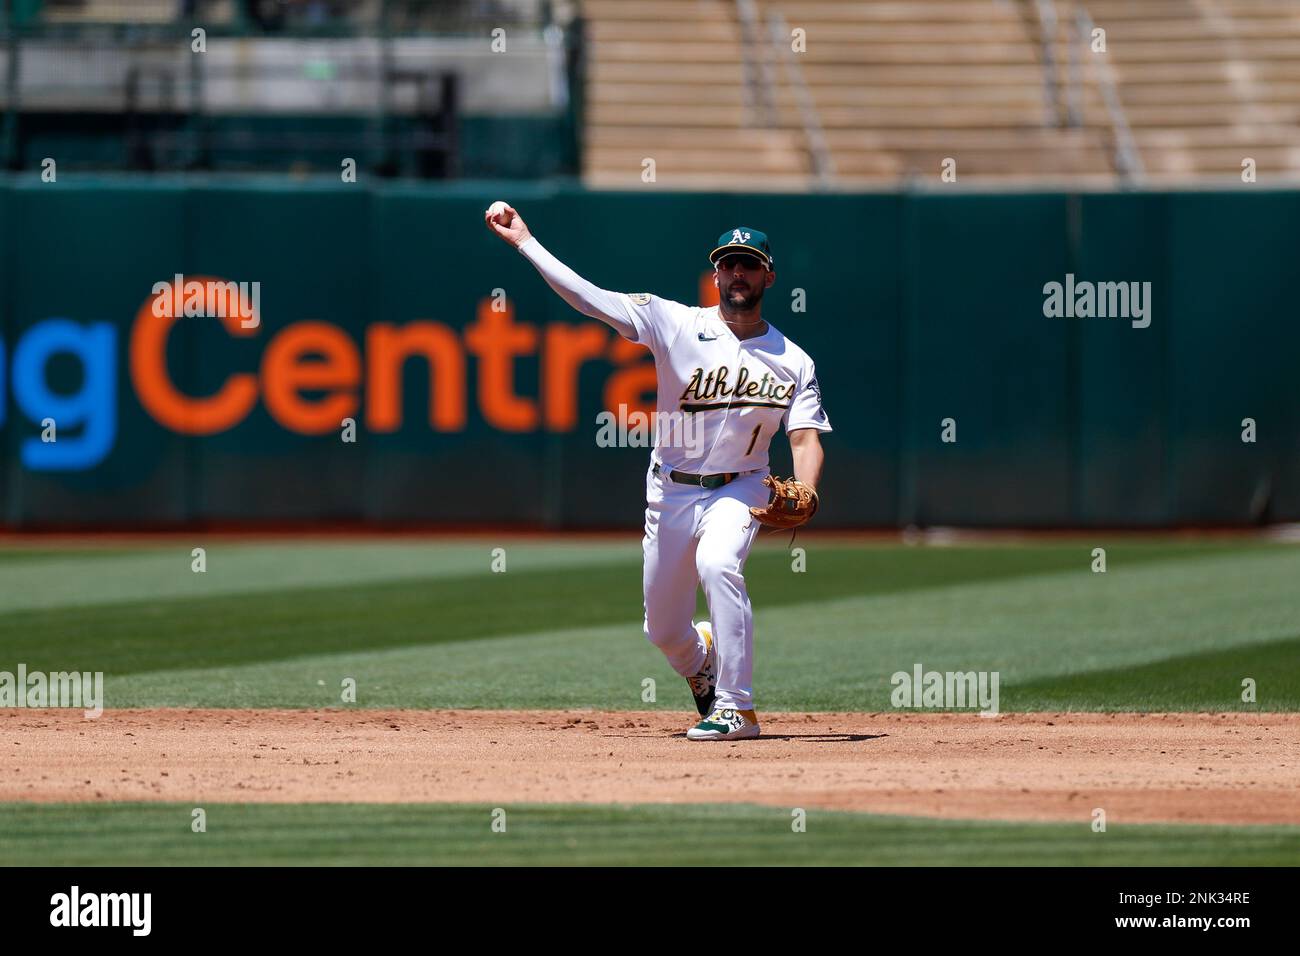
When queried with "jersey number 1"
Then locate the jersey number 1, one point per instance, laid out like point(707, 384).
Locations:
point(753, 438)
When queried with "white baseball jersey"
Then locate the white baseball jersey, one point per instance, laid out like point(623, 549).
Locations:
point(722, 399)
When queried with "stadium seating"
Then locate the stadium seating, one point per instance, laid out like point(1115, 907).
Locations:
point(1205, 85)
point(899, 86)
point(880, 92)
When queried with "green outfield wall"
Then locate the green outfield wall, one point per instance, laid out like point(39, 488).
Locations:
point(475, 392)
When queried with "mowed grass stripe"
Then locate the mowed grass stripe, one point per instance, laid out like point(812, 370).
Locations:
point(1185, 682)
point(639, 835)
point(161, 574)
point(840, 654)
point(49, 578)
point(205, 631)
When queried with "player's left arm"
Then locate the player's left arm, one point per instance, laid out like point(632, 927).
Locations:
point(806, 450)
point(804, 422)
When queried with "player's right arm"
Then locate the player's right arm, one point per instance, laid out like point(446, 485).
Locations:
point(613, 308)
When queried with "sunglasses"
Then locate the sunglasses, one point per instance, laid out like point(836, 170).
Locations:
point(727, 263)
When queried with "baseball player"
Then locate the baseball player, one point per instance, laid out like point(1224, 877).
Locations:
point(740, 380)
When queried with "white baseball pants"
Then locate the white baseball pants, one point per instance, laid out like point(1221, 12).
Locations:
point(695, 536)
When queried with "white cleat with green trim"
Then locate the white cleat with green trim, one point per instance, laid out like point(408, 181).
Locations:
point(725, 723)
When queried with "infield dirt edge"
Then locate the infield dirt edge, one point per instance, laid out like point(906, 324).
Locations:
point(1222, 768)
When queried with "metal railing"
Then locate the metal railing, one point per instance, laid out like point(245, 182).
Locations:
point(1126, 160)
point(761, 85)
point(819, 153)
point(1047, 30)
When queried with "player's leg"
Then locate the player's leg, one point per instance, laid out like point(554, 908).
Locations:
point(669, 577)
point(726, 533)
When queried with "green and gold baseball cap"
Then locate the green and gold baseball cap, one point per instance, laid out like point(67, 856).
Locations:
point(743, 239)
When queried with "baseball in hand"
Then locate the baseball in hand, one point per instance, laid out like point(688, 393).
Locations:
point(506, 223)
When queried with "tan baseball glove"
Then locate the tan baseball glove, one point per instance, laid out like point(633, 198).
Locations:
point(792, 503)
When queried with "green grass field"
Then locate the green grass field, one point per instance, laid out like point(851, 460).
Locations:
point(1169, 626)
point(644, 835)
point(1173, 624)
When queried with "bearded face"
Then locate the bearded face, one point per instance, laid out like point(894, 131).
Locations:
point(742, 280)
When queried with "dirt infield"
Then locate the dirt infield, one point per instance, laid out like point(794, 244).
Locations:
point(1202, 768)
